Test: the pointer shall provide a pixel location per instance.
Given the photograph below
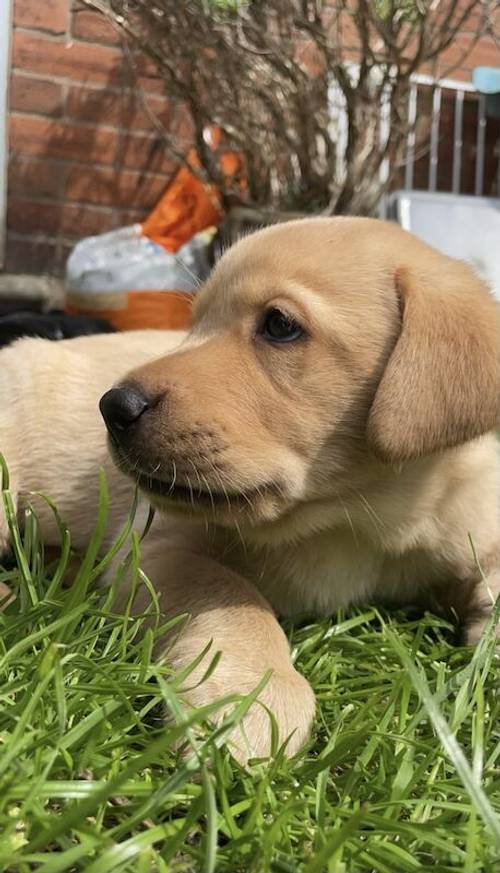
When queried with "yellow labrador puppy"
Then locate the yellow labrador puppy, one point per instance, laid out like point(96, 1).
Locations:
point(322, 436)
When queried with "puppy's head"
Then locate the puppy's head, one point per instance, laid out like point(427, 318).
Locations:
point(317, 347)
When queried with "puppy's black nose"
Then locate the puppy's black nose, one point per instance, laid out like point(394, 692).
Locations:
point(121, 407)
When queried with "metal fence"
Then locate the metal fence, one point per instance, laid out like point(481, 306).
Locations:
point(457, 91)
point(460, 151)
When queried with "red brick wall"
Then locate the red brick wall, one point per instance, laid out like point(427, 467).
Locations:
point(84, 153)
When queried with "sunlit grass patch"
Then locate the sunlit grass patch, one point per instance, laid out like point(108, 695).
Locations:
point(102, 770)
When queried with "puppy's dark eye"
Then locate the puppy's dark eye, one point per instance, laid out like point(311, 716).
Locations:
point(280, 328)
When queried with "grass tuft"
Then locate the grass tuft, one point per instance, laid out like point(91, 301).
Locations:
point(402, 773)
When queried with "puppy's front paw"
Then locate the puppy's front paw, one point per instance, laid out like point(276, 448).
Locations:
point(290, 699)
point(287, 696)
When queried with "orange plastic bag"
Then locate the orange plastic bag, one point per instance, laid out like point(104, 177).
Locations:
point(188, 205)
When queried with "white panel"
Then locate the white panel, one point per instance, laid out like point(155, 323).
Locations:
point(462, 226)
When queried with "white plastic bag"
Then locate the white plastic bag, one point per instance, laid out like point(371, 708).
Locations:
point(126, 260)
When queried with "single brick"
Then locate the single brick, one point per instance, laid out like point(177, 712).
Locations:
point(29, 217)
point(79, 221)
point(132, 216)
point(35, 95)
point(142, 152)
point(92, 26)
point(123, 108)
point(28, 255)
point(50, 15)
point(113, 187)
point(35, 136)
point(151, 84)
point(35, 178)
point(76, 60)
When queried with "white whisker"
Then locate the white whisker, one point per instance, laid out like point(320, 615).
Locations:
point(207, 484)
point(196, 279)
point(174, 477)
point(190, 492)
point(348, 517)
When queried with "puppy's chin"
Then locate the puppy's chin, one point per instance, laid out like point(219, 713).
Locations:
point(216, 503)
point(243, 509)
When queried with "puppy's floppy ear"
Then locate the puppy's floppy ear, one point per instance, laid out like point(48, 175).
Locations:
point(441, 386)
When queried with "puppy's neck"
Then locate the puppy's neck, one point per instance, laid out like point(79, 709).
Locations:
point(385, 505)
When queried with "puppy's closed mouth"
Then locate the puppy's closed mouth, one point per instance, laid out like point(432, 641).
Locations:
point(206, 498)
point(187, 493)
point(194, 493)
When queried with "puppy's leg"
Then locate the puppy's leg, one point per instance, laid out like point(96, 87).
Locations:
point(485, 593)
point(470, 595)
point(51, 432)
point(228, 611)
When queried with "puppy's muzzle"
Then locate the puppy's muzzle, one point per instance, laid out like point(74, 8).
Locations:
point(122, 409)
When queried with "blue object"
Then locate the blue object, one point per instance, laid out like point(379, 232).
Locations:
point(486, 80)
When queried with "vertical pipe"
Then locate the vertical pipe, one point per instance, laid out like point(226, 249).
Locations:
point(384, 137)
point(338, 128)
point(410, 146)
point(458, 141)
point(436, 114)
point(480, 142)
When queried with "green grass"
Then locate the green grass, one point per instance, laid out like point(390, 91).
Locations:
point(402, 772)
